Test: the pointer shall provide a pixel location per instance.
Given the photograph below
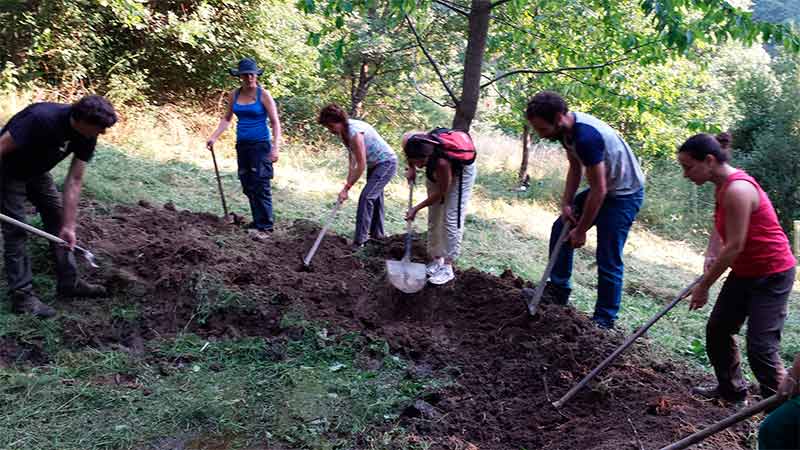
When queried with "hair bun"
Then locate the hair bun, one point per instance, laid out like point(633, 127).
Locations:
point(725, 139)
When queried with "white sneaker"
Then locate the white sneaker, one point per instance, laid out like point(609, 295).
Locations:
point(434, 266)
point(443, 275)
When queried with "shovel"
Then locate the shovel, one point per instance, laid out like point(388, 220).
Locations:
point(307, 259)
point(227, 217)
point(533, 305)
point(406, 276)
point(86, 253)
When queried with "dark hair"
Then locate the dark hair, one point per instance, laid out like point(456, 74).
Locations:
point(546, 105)
point(95, 110)
point(725, 140)
point(333, 113)
point(420, 146)
point(701, 145)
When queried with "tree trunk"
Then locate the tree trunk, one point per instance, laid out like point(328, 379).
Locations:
point(473, 64)
point(523, 168)
point(358, 92)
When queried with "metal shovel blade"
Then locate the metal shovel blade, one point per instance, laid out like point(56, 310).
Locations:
point(406, 276)
point(89, 256)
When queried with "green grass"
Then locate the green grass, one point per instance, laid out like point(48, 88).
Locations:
point(309, 393)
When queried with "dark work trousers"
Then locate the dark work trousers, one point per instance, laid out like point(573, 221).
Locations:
point(255, 173)
point(763, 302)
point(369, 215)
point(42, 192)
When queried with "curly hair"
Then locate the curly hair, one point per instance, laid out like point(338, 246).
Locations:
point(333, 113)
point(95, 110)
point(546, 105)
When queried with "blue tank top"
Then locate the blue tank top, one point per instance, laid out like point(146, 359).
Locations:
point(251, 124)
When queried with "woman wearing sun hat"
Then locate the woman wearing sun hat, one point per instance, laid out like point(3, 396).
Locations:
point(256, 149)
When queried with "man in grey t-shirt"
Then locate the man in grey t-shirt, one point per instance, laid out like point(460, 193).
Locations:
point(612, 201)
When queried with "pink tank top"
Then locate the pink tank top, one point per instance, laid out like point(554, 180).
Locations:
point(766, 249)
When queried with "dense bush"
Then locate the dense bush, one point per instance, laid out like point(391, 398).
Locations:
point(168, 50)
point(767, 137)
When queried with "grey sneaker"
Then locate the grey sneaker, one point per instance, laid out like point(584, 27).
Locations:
point(26, 302)
point(443, 275)
point(433, 266)
point(83, 289)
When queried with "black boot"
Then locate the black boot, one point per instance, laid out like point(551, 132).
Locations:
point(556, 295)
point(82, 289)
point(24, 301)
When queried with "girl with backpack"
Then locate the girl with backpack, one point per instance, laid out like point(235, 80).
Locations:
point(366, 149)
point(448, 159)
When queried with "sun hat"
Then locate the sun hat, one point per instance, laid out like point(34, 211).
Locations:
point(247, 65)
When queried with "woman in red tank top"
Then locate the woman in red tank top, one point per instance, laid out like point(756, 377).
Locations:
point(748, 239)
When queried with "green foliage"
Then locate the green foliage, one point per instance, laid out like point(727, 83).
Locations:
point(134, 51)
point(767, 137)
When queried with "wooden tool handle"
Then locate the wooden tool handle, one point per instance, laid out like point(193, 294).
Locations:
point(628, 342)
point(692, 439)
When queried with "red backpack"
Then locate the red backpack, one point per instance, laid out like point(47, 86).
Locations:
point(455, 145)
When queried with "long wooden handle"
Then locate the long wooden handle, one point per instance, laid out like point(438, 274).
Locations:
point(219, 183)
point(628, 342)
point(321, 234)
point(533, 305)
point(692, 439)
point(32, 229)
point(409, 224)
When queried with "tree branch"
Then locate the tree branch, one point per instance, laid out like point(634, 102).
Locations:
point(436, 102)
point(400, 49)
point(497, 91)
point(549, 71)
point(452, 7)
point(431, 60)
point(498, 3)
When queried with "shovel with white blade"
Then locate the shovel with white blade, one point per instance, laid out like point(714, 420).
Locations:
point(405, 275)
point(86, 253)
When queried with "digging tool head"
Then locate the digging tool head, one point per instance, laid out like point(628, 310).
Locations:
point(89, 256)
point(406, 276)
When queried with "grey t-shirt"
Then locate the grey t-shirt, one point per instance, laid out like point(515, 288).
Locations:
point(377, 148)
point(593, 141)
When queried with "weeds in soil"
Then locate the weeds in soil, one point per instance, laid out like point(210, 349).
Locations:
point(213, 296)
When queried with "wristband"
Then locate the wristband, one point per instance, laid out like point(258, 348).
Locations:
point(347, 186)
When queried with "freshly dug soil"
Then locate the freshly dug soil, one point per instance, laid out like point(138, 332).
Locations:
point(505, 368)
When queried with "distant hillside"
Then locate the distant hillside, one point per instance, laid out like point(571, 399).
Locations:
point(777, 10)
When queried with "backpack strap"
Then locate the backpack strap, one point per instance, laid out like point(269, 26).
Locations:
point(460, 192)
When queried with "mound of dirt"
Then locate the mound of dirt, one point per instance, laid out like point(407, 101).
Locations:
point(188, 271)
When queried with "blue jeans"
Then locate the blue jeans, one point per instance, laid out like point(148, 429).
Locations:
point(613, 223)
point(255, 173)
